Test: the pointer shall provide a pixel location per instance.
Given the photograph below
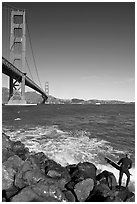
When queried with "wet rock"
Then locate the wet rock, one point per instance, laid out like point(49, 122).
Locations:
point(6, 153)
point(6, 142)
point(44, 189)
point(107, 178)
point(54, 174)
point(34, 161)
point(41, 158)
point(83, 189)
point(25, 195)
point(6, 147)
point(14, 162)
point(11, 192)
point(4, 197)
point(19, 182)
point(100, 193)
point(19, 149)
point(123, 193)
point(131, 199)
point(88, 170)
point(83, 171)
point(61, 183)
point(28, 195)
point(32, 177)
point(28, 174)
point(71, 168)
point(8, 174)
point(70, 185)
point(55, 170)
point(69, 195)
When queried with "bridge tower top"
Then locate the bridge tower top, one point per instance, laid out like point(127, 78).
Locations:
point(18, 39)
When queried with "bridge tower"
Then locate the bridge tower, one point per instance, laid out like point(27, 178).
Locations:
point(17, 56)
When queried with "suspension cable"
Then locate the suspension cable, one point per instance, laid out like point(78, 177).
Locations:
point(29, 68)
point(12, 7)
point(33, 53)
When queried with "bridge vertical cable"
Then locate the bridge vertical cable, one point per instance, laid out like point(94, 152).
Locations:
point(32, 52)
point(29, 69)
point(8, 9)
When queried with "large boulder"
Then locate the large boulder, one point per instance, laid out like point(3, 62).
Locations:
point(6, 153)
point(28, 174)
point(8, 175)
point(6, 147)
point(44, 189)
point(14, 162)
point(83, 189)
point(19, 149)
point(71, 168)
point(28, 195)
point(60, 182)
point(25, 195)
point(131, 199)
point(123, 193)
point(6, 142)
point(100, 193)
point(55, 170)
point(10, 192)
point(41, 158)
point(83, 171)
point(107, 178)
point(69, 195)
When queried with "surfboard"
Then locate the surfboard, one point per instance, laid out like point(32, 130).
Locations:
point(112, 163)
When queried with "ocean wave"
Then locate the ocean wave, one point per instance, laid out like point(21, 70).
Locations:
point(70, 147)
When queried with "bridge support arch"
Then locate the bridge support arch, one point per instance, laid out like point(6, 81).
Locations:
point(17, 91)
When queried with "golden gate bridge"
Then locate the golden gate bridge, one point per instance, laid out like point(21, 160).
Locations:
point(14, 65)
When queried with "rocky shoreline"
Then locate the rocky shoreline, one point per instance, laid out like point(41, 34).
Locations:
point(33, 177)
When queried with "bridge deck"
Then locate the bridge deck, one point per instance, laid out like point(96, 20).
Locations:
point(10, 70)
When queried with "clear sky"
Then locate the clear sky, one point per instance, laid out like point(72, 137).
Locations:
point(84, 50)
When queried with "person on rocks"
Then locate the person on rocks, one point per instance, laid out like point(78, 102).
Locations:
point(125, 164)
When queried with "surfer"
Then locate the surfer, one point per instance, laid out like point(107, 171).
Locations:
point(125, 164)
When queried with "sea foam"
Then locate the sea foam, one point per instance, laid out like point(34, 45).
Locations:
point(70, 147)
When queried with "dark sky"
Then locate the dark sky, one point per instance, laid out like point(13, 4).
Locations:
point(84, 50)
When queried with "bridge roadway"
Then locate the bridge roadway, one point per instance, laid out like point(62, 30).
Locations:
point(11, 71)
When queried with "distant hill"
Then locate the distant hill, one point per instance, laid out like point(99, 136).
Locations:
point(5, 95)
point(33, 97)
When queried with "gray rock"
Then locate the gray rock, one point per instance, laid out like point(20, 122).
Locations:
point(83, 171)
point(28, 174)
point(25, 195)
point(55, 170)
point(8, 174)
point(14, 162)
point(44, 189)
point(107, 178)
point(6, 153)
point(6, 142)
point(123, 193)
point(83, 189)
point(69, 195)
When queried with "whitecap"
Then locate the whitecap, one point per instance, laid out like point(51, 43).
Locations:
point(17, 119)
